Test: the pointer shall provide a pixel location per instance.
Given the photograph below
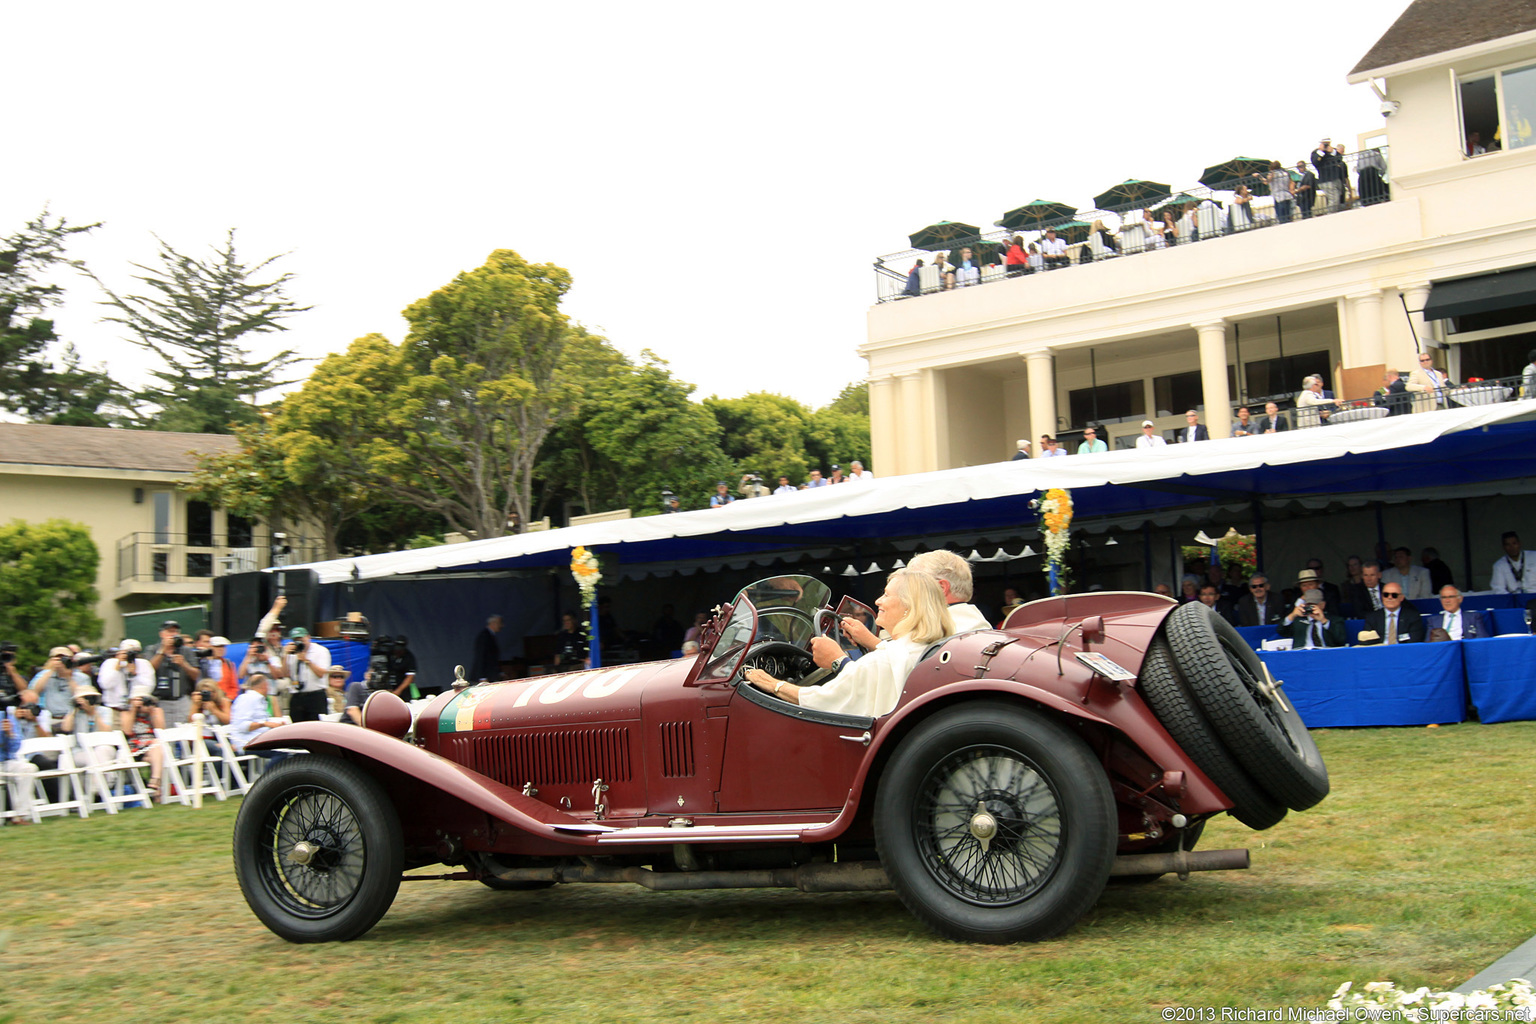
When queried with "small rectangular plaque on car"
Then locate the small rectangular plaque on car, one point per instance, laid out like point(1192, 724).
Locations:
point(1105, 667)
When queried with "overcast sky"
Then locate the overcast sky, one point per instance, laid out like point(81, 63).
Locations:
point(717, 177)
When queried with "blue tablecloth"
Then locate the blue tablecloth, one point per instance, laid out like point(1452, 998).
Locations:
point(1501, 674)
point(1399, 684)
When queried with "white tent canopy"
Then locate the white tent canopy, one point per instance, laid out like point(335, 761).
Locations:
point(1131, 479)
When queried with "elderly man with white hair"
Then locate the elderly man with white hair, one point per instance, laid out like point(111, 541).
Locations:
point(1313, 404)
point(858, 474)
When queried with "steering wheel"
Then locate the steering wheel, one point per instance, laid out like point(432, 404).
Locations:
point(780, 659)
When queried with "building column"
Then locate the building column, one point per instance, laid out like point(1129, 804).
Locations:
point(909, 425)
point(1042, 396)
point(1367, 347)
point(883, 418)
point(1213, 377)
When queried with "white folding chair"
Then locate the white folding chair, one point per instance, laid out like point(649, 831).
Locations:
point(112, 771)
point(183, 749)
point(239, 770)
point(1209, 221)
point(991, 272)
point(70, 799)
point(928, 277)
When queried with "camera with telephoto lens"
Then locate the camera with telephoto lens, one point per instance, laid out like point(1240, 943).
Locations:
point(379, 675)
point(91, 699)
point(257, 647)
point(299, 644)
point(89, 658)
point(7, 653)
point(206, 694)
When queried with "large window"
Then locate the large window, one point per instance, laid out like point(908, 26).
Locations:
point(1108, 403)
point(1496, 110)
point(1178, 392)
point(1277, 376)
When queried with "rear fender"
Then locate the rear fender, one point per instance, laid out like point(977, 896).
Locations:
point(1200, 795)
point(397, 764)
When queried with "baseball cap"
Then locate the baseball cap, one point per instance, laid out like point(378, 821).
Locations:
point(218, 641)
point(1312, 596)
point(130, 645)
point(61, 652)
point(170, 624)
point(1148, 423)
point(296, 632)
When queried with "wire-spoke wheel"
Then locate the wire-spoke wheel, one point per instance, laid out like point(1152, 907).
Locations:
point(318, 850)
point(995, 824)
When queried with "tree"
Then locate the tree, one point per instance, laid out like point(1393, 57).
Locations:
point(28, 381)
point(764, 433)
point(839, 432)
point(635, 433)
point(47, 586)
point(196, 316)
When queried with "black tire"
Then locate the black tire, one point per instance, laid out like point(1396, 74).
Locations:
point(1047, 798)
point(1167, 693)
point(351, 871)
point(1253, 719)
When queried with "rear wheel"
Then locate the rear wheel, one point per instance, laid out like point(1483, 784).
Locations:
point(318, 849)
point(1166, 691)
point(995, 824)
point(1246, 708)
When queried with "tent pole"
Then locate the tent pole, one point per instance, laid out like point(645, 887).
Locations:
point(1146, 551)
point(1258, 533)
point(1381, 532)
point(1466, 545)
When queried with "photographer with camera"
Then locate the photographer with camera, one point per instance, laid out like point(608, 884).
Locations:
point(87, 714)
point(307, 664)
point(1308, 624)
point(123, 672)
point(138, 721)
point(176, 672)
point(219, 670)
point(12, 682)
point(55, 684)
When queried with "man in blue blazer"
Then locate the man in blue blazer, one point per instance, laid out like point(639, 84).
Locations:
point(1458, 624)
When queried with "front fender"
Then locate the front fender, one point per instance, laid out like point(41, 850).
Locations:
point(365, 747)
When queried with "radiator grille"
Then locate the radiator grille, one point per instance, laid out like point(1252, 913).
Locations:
point(677, 750)
point(554, 757)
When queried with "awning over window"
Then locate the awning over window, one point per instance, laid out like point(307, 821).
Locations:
point(1484, 294)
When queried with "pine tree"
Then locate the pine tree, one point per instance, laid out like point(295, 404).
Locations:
point(196, 316)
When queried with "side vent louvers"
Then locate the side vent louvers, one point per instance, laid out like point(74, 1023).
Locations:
point(555, 757)
point(677, 750)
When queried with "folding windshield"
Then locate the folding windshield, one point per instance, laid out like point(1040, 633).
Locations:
point(731, 645)
point(787, 606)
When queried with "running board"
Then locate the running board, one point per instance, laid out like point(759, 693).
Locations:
point(654, 834)
point(849, 876)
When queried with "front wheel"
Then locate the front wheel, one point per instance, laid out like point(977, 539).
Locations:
point(995, 824)
point(318, 849)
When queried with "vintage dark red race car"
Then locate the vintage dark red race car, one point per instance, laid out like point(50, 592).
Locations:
point(1020, 769)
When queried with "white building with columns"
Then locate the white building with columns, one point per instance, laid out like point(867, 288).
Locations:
point(1448, 264)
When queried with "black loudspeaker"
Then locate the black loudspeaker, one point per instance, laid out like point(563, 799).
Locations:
point(302, 589)
point(239, 602)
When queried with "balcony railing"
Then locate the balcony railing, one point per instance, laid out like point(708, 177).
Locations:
point(1201, 215)
point(150, 557)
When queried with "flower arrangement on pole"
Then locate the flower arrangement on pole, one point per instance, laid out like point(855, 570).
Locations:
point(587, 573)
point(1056, 528)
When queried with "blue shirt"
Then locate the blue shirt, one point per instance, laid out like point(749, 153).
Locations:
point(57, 694)
point(10, 744)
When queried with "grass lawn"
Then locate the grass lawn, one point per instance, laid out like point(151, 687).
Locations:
point(1418, 868)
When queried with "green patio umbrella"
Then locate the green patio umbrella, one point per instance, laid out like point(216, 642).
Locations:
point(1040, 213)
point(1182, 199)
point(946, 234)
point(1240, 170)
point(1129, 193)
